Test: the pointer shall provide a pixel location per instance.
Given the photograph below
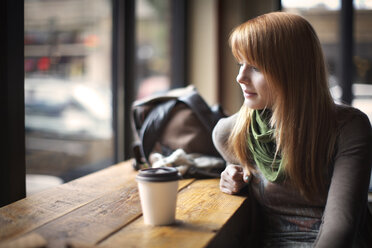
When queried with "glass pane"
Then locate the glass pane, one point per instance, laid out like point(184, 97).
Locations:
point(152, 46)
point(362, 86)
point(68, 87)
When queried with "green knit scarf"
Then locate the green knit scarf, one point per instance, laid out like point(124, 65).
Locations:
point(261, 143)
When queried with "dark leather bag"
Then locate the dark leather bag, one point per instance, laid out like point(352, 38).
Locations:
point(180, 118)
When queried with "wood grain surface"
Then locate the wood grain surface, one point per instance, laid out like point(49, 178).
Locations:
point(39, 209)
point(103, 210)
point(83, 211)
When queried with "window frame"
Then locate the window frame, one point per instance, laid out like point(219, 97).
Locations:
point(123, 73)
point(12, 155)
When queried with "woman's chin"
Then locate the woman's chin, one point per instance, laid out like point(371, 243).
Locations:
point(254, 105)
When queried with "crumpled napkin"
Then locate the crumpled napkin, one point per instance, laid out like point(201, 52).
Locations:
point(185, 162)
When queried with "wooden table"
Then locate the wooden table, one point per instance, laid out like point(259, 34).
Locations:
point(103, 210)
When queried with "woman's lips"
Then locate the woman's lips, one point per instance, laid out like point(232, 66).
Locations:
point(249, 94)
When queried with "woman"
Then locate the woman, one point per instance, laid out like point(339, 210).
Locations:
point(308, 160)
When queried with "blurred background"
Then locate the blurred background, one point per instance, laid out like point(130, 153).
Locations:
point(68, 82)
point(73, 64)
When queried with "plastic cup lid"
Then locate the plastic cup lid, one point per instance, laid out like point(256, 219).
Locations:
point(161, 174)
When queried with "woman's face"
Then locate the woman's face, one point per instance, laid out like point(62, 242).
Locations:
point(254, 86)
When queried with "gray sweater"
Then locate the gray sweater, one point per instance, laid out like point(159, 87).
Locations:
point(342, 218)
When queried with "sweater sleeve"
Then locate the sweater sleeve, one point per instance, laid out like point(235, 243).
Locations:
point(348, 193)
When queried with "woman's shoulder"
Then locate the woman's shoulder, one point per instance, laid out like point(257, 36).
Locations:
point(223, 128)
point(355, 133)
point(351, 118)
point(221, 134)
point(226, 124)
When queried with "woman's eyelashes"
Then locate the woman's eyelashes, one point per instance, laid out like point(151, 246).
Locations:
point(250, 67)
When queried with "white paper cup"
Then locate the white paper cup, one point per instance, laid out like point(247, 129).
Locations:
point(158, 193)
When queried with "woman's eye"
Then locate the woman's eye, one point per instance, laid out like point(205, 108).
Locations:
point(251, 67)
point(255, 69)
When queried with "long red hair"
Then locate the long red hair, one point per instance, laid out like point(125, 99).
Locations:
point(287, 51)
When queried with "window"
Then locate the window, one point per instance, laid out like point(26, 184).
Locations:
point(152, 47)
point(68, 110)
point(82, 46)
point(73, 102)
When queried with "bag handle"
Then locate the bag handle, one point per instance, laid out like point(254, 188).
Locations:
point(201, 110)
point(156, 120)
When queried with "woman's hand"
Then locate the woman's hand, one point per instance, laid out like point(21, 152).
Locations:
point(233, 179)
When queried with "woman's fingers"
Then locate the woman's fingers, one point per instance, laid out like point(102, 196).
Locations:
point(230, 188)
point(232, 179)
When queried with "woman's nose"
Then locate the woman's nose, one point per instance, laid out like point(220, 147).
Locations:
point(243, 77)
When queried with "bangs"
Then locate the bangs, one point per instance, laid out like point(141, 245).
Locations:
point(244, 45)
